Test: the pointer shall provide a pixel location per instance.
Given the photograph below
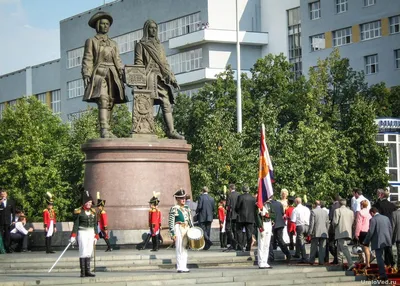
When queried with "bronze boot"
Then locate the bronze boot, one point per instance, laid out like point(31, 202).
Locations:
point(171, 132)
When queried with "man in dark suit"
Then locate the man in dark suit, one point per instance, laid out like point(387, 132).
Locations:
point(385, 208)
point(231, 218)
point(7, 218)
point(246, 208)
point(380, 236)
point(205, 215)
point(277, 228)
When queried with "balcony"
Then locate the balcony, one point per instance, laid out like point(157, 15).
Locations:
point(202, 75)
point(218, 36)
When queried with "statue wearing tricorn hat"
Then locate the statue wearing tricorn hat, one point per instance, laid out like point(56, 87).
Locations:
point(102, 72)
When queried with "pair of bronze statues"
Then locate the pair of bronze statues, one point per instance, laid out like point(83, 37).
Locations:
point(151, 77)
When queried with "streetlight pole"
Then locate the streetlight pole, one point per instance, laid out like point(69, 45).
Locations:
point(238, 80)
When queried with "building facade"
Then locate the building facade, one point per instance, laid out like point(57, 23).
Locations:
point(365, 31)
point(199, 40)
point(389, 135)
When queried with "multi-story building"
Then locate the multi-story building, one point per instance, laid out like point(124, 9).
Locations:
point(199, 38)
point(365, 31)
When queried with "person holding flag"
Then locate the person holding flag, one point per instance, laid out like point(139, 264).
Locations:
point(264, 215)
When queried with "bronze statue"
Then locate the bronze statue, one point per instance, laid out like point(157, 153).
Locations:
point(160, 80)
point(102, 72)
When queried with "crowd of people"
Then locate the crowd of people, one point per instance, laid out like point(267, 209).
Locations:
point(371, 230)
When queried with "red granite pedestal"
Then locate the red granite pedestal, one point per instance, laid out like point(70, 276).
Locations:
point(126, 171)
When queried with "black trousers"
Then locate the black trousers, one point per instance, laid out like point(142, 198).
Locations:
point(21, 239)
point(388, 255)
point(231, 231)
point(5, 232)
point(248, 235)
point(278, 234)
point(206, 227)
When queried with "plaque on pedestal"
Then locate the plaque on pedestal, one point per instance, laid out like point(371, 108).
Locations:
point(135, 75)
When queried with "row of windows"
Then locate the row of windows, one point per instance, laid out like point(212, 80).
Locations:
point(186, 61)
point(179, 27)
point(126, 42)
point(341, 6)
point(294, 40)
point(372, 64)
point(55, 101)
point(75, 88)
point(344, 36)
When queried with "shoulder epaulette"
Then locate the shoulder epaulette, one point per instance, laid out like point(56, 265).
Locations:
point(45, 210)
point(93, 210)
point(77, 211)
point(103, 212)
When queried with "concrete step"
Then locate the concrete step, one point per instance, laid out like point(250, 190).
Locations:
point(281, 275)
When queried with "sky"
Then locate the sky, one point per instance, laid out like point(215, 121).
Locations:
point(31, 30)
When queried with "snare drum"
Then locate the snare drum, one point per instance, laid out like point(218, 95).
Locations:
point(196, 238)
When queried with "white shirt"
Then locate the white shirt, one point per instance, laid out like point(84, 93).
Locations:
point(301, 215)
point(353, 203)
point(19, 227)
point(358, 201)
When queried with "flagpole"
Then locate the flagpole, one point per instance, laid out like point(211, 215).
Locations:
point(238, 81)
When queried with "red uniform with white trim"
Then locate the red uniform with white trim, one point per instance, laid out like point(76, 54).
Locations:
point(154, 220)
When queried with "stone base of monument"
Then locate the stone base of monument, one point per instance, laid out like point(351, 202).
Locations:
point(126, 171)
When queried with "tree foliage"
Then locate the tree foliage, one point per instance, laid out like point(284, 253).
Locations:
point(32, 144)
point(320, 130)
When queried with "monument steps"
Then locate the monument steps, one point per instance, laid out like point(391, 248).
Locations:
point(235, 276)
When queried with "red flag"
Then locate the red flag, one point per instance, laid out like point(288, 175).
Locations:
point(266, 172)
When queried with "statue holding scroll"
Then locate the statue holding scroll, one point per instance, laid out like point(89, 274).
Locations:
point(160, 81)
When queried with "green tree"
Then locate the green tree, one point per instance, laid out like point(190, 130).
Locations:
point(32, 141)
point(394, 100)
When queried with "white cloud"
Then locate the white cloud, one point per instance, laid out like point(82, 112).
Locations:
point(23, 44)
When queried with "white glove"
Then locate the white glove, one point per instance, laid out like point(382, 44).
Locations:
point(72, 240)
point(95, 241)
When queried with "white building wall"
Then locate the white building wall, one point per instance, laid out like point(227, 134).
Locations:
point(274, 21)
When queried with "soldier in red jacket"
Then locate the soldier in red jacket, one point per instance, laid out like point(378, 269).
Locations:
point(222, 223)
point(102, 221)
point(49, 221)
point(154, 221)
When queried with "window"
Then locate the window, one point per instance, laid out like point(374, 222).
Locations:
point(42, 98)
point(126, 42)
point(56, 101)
point(394, 24)
point(371, 64)
point(74, 58)
point(12, 103)
point(397, 58)
point(370, 30)
point(341, 6)
point(178, 27)
point(317, 42)
point(342, 37)
point(315, 10)
point(186, 61)
point(369, 3)
point(76, 115)
point(75, 88)
point(294, 39)
point(190, 92)
point(2, 107)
